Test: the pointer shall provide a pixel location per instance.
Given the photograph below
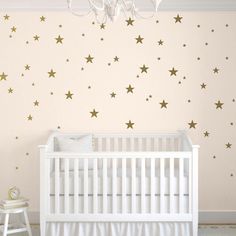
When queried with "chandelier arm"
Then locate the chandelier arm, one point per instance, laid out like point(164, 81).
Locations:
point(69, 5)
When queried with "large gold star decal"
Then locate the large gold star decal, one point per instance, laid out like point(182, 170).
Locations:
point(42, 18)
point(216, 70)
point(206, 134)
point(144, 69)
point(173, 71)
point(59, 39)
point(163, 104)
point(13, 29)
point(178, 18)
point(51, 73)
point(130, 124)
point(228, 145)
point(160, 42)
point(3, 76)
point(139, 39)
point(27, 67)
point(6, 17)
point(36, 38)
point(130, 89)
point(94, 113)
point(69, 95)
point(30, 117)
point(130, 22)
point(192, 124)
point(10, 90)
point(89, 59)
point(219, 105)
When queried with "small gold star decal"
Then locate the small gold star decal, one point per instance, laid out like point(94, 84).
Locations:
point(206, 134)
point(203, 86)
point(6, 17)
point(69, 95)
point(30, 117)
point(94, 113)
point(173, 71)
point(130, 89)
point(36, 38)
point(139, 39)
point(59, 39)
point(219, 105)
point(192, 124)
point(36, 103)
point(144, 69)
point(178, 18)
point(102, 26)
point(113, 95)
point(116, 59)
point(216, 70)
point(89, 59)
point(130, 124)
point(228, 145)
point(3, 76)
point(13, 29)
point(51, 73)
point(160, 42)
point(130, 22)
point(163, 104)
point(10, 90)
point(42, 18)
point(27, 67)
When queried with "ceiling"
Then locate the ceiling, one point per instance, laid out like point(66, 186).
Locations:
point(169, 5)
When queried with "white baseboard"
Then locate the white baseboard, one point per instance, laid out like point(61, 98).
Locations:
point(205, 217)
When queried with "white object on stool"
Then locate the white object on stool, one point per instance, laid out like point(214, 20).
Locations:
point(21, 228)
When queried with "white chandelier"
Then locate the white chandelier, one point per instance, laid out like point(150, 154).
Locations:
point(111, 9)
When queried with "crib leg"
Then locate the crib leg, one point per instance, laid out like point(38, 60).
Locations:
point(42, 228)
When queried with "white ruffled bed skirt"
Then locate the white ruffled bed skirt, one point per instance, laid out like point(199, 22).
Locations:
point(119, 229)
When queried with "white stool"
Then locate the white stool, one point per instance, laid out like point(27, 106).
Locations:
point(15, 228)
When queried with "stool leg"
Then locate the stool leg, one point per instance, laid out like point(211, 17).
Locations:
point(6, 224)
point(27, 223)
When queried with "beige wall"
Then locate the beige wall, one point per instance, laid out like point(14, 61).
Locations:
point(19, 156)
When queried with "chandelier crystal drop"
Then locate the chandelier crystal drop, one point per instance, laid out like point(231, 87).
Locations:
point(111, 9)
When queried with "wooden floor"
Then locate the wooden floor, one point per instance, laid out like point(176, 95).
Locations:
point(209, 230)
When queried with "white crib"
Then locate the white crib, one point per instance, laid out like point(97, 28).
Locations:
point(125, 178)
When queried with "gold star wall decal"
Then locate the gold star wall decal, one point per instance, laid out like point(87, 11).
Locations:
point(94, 113)
point(113, 95)
point(59, 39)
point(206, 134)
point(130, 89)
point(160, 42)
point(228, 145)
point(178, 18)
point(27, 67)
point(51, 73)
point(130, 22)
point(102, 26)
point(130, 124)
point(6, 17)
point(42, 18)
point(30, 117)
point(116, 59)
point(36, 38)
point(69, 95)
point(203, 86)
point(163, 104)
point(216, 70)
point(36, 103)
point(219, 105)
point(89, 59)
point(13, 29)
point(192, 124)
point(144, 69)
point(173, 71)
point(139, 39)
point(3, 76)
point(10, 90)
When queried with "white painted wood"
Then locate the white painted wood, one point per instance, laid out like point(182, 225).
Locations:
point(114, 186)
point(143, 185)
point(95, 186)
point(124, 199)
point(66, 187)
point(104, 189)
point(133, 190)
point(57, 186)
point(181, 172)
point(171, 185)
point(152, 186)
point(85, 186)
point(28, 228)
point(132, 144)
point(47, 166)
point(76, 186)
point(124, 147)
point(6, 224)
point(190, 186)
point(162, 185)
point(108, 144)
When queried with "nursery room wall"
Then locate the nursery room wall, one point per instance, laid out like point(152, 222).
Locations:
point(173, 71)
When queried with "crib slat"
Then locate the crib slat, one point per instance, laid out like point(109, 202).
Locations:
point(171, 183)
point(95, 185)
point(57, 186)
point(190, 184)
point(143, 185)
point(114, 185)
point(132, 144)
point(123, 144)
point(133, 190)
point(86, 185)
point(76, 186)
point(162, 185)
point(152, 185)
point(116, 144)
point(99, 144)
point(47, 172)
point(104, 186)
point(66, 187)
point(108, 144)
point(123, 185)
point(181, 185)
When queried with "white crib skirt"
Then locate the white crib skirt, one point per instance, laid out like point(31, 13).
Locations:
point(119, 229)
